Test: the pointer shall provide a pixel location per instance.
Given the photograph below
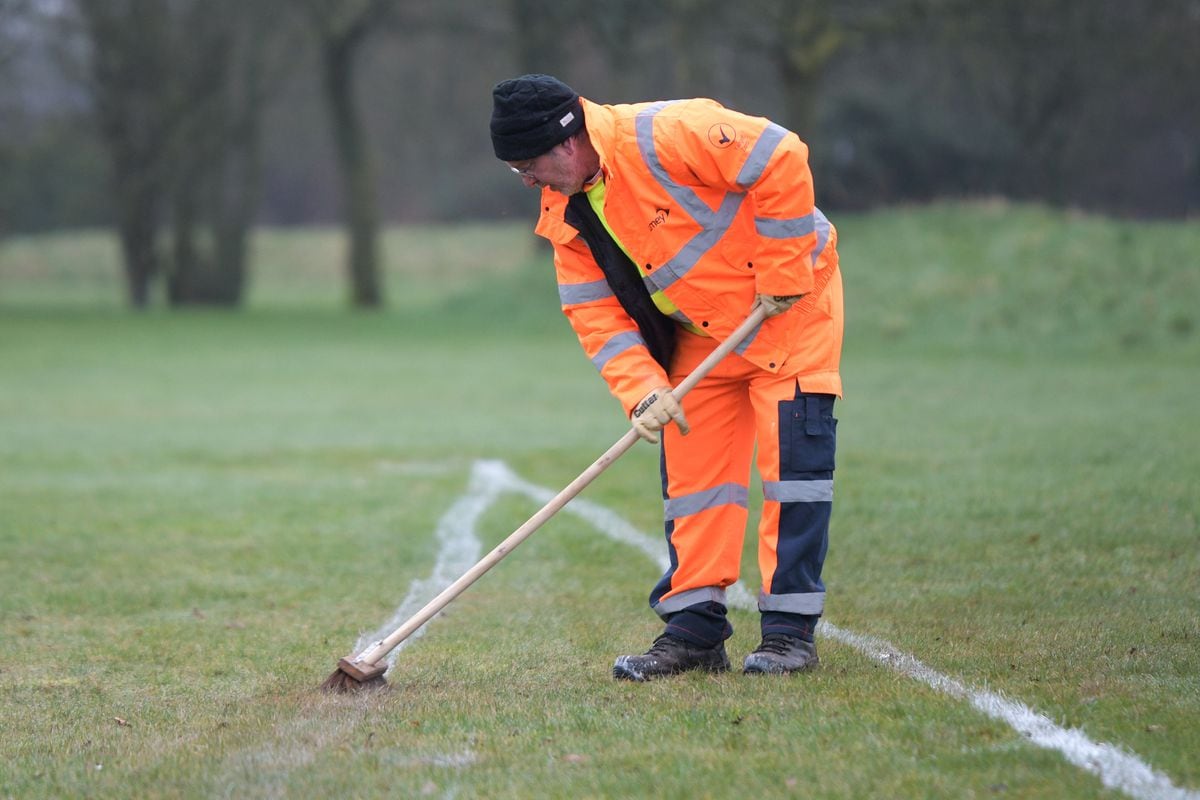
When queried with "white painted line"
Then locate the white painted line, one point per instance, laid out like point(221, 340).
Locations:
point(615, 527)
point(602, 519)
point(1116, 768)
point(459, 550)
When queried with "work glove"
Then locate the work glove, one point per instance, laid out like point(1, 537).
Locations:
point(653, 413)
point(777, 304)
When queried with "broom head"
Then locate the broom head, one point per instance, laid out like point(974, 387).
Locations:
point(351, 677)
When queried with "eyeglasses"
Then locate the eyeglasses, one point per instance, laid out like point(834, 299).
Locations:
point(527, 170)
point(524, 172)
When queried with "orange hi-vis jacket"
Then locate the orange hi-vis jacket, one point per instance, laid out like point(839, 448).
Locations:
point(716, 207)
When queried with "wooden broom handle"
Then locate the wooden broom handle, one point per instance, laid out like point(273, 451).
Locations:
point(370, 656)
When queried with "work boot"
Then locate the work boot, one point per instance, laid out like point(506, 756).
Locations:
point(779, 653)
point(669, 655)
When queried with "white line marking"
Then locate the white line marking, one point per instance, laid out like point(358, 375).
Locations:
point(460, 549)
point(1116, 768)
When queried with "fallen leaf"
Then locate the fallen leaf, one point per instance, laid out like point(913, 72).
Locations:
point(124, 723)
point(575, 758)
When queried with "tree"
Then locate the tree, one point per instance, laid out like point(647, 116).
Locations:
point(12, 14)
point(1028, 67)
point(215, 185)
point(540, 36)
point(801, 40)
point(1063, 86)
point(177, 90)
point(130, 64)
point(341, 29)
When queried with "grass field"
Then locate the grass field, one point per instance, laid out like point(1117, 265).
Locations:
point(201, 512)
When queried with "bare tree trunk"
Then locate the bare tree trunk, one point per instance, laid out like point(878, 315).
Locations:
point(341, 28)
point(138, 227)
point(807, 37)
point(186, 266)
point(358, 185)
point(125, 62)
point(240, 197)
point(178, 96)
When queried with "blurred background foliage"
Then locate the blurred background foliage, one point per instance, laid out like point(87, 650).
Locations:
point(183, 124)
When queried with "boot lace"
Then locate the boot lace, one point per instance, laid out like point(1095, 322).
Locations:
point(775, 643)
point(663, 645)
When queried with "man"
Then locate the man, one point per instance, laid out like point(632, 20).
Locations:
point(669, 222)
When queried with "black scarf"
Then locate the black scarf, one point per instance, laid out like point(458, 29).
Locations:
point(657, 329)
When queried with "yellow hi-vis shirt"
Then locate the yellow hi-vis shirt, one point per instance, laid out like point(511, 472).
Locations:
point(595, 196)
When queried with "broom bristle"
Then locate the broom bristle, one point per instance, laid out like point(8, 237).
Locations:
point(342, 682)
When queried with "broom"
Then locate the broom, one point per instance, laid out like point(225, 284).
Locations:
point(365, 670)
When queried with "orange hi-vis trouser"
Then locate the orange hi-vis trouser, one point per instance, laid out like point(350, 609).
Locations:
point(706, 478)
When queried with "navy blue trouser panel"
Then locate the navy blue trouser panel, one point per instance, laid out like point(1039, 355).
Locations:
point(807, 449)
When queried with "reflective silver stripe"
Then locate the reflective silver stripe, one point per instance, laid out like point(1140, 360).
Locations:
point(713, 223)
point(821, 223)
point(760, 154)
point(615, 346)
point(798, 491)
point(807, 603)
point(684, 260)
point(574, 293)
point(678, 602)
point(784, 228)
point(679, 316)
point(688, 199)
point(724, 495)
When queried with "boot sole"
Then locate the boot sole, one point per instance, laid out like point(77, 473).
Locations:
point(626, 672)
point(770, 668)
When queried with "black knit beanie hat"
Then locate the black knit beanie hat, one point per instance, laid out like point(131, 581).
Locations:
point(531, 114)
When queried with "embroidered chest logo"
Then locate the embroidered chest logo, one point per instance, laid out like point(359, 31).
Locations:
point(722, 135)
point(659, 217)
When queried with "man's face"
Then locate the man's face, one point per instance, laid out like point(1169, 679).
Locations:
point(556, 168)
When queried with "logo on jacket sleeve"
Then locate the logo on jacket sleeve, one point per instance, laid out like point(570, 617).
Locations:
point(660, 217)
point(722, 135)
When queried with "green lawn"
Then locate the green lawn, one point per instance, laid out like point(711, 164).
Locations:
point(201, 512)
